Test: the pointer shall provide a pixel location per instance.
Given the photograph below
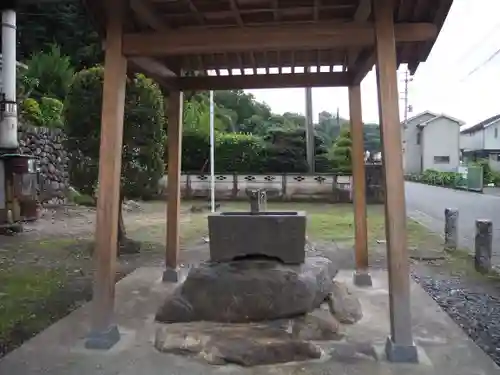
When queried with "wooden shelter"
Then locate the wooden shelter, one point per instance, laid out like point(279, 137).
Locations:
point(243, 44)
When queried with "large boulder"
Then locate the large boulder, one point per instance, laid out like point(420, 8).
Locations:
point(249, 290)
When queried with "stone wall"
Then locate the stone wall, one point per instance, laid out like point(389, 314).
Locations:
point(52, 160)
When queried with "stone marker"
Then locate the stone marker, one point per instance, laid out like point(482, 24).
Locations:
point(483, 245)
point(249, 290)
point(450, 229)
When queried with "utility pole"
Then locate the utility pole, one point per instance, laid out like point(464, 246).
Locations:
point(407, 107)
point(338, 118)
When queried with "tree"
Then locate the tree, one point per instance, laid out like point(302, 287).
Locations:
point(63, 23)
point(341, 152)
point(143, 137)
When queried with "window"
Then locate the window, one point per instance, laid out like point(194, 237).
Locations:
point(496, 132)
point(441, 159)
point(418, 137)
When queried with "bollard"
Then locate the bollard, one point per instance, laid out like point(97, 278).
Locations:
point(450, 229)
point(482, 245)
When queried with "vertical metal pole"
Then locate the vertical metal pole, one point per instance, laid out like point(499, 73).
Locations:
point(309, 130)
point(212, 153)
point(8, 126)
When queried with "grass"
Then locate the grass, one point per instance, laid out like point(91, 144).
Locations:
point(21, 292)
point(326, 222)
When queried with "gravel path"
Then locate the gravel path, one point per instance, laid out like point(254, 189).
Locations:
point(473, 304)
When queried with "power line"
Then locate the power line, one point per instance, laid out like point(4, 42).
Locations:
point(480, 66)
point(476, 45)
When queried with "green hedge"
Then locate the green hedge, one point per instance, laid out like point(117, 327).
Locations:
point(437, 178)
point(247, 153)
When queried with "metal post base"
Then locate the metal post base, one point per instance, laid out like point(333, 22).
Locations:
point(400, 353)
point(171, 275)
point(362, 278)
point(103, 340)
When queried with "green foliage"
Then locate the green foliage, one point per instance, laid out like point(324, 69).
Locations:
point(49, 74)
point(143, 137)
point(434, 177)
point(279, 152)
point(51, 112)
point(65, 23)
point(47, 113)
point(341, 152)
point(239, 153)
point(30, 110)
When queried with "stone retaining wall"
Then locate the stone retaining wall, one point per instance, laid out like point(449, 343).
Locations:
point(52, 160)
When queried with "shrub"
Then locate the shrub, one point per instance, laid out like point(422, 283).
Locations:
point(51, 110)
point(46, 113)
point(48, 74)
point(340, 154)
point(143, 134)
point(30, 110)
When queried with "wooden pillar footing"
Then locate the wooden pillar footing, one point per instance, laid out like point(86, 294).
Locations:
point(171, 275)
point(400, 353)
point(103, 340)
point(362, 278)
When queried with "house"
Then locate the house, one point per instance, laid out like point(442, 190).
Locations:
point(431, 141)
point(482, 140)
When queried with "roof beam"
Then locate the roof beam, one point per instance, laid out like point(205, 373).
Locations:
point(363, 66)
point(303, 37)
point(145, 14)
point(153, 67)
point(361, 15)
point(263, 81)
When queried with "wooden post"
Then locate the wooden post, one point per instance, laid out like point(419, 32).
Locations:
point(104, 333)
point(399, 346)
point(174, 133)
point(361, 275)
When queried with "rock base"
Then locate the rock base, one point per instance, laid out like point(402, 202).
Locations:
point(251, 344)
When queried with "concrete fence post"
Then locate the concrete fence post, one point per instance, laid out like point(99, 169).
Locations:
point(450, 229)
point(482, 245)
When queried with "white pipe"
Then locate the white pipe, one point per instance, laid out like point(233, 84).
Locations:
point(212, 153)
point(8, 125)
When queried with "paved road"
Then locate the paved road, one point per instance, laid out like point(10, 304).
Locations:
point(427, 203)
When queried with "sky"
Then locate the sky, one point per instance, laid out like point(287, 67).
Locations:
point(461, 77)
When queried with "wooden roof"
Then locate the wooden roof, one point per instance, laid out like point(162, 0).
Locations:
point(216, 37)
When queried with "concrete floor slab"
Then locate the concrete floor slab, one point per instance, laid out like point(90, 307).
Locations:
point(443, 347)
